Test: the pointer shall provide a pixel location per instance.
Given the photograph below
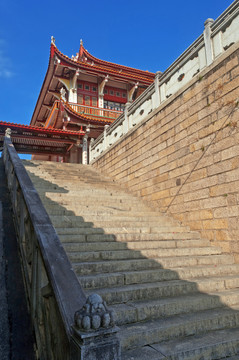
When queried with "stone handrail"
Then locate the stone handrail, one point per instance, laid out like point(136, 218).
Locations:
point(54, 294)
point(217, 37)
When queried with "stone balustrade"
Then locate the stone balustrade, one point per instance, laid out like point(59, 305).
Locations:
point(54, 294)
point(217, 37)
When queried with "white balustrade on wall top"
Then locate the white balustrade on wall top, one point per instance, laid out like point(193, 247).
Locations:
point(218, 36)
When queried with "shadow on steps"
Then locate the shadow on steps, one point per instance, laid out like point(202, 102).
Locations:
point(175, 296)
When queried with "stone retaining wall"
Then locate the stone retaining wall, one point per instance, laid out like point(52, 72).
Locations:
point(183, 157)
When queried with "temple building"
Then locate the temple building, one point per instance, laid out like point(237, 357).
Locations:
point(84, 94)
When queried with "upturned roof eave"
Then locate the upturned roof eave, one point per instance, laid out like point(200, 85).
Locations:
point(83, 52)
point(44, 88)
point(81, 65)
point(41, 129)
point(144, 76)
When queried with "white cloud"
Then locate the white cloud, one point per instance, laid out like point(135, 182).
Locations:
point(5, 71)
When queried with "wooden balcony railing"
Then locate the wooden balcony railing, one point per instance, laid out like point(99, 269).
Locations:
point(96, 112)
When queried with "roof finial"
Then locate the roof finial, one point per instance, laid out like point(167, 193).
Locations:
point(81, 42)
point(53, 40)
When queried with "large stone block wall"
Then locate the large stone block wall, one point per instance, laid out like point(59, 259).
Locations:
point(184, 157)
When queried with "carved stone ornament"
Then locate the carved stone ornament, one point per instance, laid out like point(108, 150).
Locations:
point(63, 94)
point(53, 40)
point(94, 315)
point(8, 132)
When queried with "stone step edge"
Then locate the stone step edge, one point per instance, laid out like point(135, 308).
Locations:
point(175, 271)
point(219, 344)
point(140, 332)
point(194, 287)
point(157, 261)
point(138, 311)
point(155, 245)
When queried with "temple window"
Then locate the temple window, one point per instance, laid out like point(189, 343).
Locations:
point(94, 101)
point(87, 100)
point(80, 99)
point(113, 105)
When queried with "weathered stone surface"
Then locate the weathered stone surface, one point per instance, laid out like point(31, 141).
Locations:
point(162, 280)
point(16, 337)
point(193, 139)
point(94, 314)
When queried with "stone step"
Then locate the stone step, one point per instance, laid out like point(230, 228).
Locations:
point(82, 234)
point(215, 345)
point(129, 229)
point(148, 276)
point(122, 220)
point(176, 327)
point(82, 176)
point(113, 212)
point(132, 312)
point(47, 186)
point(137, 292)
point(152, 270)
point(112, 220)
point(56, 193)
point(119, 219)
point(160, 235)
point(74, 182)
point(59, 211)
point(72, 232)
point(122, 227)
point(147, 253)
point(127, 210)
point(98, 235)
point(93, 267)
point(140, 236)
point(71, 246)
point(74, 199)
point(85, 172)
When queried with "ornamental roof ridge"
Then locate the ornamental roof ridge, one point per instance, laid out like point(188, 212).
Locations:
point(148, 77)
point(83, 51)
point(33, 127)
point(103, 64)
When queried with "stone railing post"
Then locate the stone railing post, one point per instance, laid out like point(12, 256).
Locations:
point(156, 102)
point(84, 150)
point(208, 41)
point(94, 329)
point(126, 124)
point(90, 149)
point(105, 141)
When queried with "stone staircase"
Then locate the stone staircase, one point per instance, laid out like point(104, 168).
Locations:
point(175, 296)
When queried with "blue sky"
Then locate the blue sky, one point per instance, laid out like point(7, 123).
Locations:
point(148, 35)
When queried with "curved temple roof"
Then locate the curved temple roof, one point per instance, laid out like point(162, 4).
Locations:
point(37, 140)
point(62, 67)
point(84, 57)
point(85, 60)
